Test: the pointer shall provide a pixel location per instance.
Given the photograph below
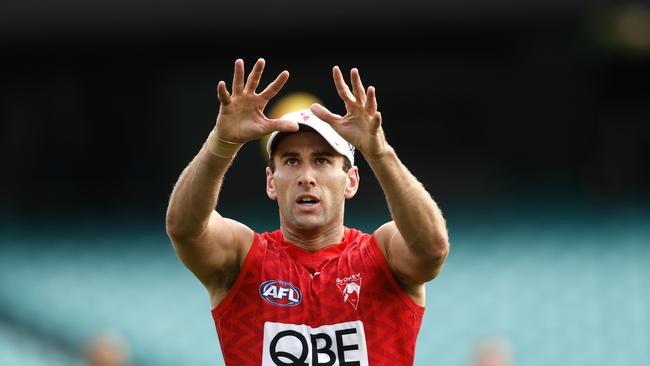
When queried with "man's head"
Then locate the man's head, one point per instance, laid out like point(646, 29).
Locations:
point(310, 173)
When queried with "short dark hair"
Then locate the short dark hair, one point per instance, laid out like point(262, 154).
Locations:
point(346, 164)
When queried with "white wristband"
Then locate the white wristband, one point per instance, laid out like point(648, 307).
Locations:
point(222, 148)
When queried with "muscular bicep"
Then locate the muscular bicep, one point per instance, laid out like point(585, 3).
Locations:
point(217, 252)
point(411, 266)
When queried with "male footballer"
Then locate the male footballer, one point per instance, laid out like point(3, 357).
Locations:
point(313, 292)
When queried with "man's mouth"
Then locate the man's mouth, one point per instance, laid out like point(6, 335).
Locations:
point(307, 200)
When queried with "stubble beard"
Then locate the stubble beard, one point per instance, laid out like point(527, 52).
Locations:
point(307, 222)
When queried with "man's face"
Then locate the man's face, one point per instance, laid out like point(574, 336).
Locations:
point(309, 182)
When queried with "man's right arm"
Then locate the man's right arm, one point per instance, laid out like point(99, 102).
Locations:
point(211, 246)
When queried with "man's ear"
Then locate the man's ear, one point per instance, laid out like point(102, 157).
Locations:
point(270, 186)
point(352, 182)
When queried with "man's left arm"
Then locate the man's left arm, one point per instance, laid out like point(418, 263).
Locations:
point(416, 243)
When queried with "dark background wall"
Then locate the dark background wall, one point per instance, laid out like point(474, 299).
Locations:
point(102, 107)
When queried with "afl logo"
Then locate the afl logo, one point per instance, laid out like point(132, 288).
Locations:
point(280, 293)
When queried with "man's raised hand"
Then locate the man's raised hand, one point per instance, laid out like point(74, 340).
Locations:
point(361, 125)
point(241, 114)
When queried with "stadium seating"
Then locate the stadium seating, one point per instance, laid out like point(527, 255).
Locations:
point(572, 292)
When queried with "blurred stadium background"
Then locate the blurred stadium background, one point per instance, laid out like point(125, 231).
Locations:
point(529, 122)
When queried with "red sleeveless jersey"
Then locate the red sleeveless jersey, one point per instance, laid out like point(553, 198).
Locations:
point(339, 306)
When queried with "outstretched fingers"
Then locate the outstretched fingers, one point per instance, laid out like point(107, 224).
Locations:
point(371, 108)
point(357, 86)
point(341, 87)
point(238, 77)
point(371, 104)
point(222, 93)
point(274, 88)
point(254, 77)
point(324, 114)
point(281, 125)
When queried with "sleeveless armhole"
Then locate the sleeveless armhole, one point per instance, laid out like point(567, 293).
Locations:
point(383, 263)
point(252, 253)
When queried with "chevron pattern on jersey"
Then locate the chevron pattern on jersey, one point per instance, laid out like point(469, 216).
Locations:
point(390, 318)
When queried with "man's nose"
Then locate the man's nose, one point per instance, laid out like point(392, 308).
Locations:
point(306, 177)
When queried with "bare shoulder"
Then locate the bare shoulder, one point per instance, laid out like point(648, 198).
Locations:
point(218, 252)
point(383, 234)
point(243, 235)
point(391, 244)
point(406, 260)
point(396, 252)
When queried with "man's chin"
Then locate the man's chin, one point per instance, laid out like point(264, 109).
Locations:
point(308, 223)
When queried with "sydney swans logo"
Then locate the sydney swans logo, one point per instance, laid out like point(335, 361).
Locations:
point(350, 288)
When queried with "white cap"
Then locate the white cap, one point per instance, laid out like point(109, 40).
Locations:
point(305, 117)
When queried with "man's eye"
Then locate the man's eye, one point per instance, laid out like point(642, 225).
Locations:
point(322, 161)
point(292, 161)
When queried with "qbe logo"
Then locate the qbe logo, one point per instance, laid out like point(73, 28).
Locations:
point(341, 344)
point(280, 293)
